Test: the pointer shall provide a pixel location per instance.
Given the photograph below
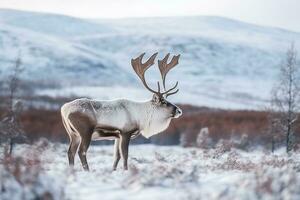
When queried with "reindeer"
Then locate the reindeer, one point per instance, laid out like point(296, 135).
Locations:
point(120, 120)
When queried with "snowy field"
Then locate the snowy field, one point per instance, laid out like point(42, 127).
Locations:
point(155, 172)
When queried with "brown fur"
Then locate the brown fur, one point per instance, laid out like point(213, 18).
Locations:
point(80, 128)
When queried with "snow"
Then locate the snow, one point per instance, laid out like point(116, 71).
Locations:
point(50, 60)
point(158, 172)
point(51, 24)
point(224, 63)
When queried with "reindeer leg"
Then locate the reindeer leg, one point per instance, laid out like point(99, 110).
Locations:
point(124, 145)
point(84, 145)
point(74, 143)
point(116, 154)
point(84, 129)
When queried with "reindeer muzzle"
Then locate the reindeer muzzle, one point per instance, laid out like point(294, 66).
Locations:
point(177, 113)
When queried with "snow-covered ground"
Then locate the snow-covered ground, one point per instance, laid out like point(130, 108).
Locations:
point(158, 172)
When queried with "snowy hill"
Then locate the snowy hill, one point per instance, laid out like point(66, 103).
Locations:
point(50, 58)
point(51, 24)
point(224, 63)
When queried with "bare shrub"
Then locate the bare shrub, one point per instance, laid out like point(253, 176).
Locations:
point(162, 174)
point(276, 162)
point(280, 183)
point(22, 177)
point(234, 142)
point(159, 157)
point(222, 147)
point(233, 162)
point(203, 139)
point(243, 142)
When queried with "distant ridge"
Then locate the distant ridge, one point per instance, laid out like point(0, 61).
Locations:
point(225, 63)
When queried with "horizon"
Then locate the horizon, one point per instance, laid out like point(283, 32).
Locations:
point(268, 13)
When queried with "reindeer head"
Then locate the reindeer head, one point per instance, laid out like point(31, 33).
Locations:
point(164, 108)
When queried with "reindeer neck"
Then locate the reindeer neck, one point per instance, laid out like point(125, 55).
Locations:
point(141, 112)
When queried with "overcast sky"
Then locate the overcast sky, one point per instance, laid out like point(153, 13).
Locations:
point(278, 13)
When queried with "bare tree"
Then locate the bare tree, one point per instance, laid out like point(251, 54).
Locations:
point(285, 98)
point(274, 128)
point(14, 82)
point(10, 127)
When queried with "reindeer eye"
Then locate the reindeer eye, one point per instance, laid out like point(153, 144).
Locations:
point(156, 100)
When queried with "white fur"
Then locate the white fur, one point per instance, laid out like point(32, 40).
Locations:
point(122, 114)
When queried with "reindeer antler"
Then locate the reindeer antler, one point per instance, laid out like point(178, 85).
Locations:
point(140, 69)
point(164, 68)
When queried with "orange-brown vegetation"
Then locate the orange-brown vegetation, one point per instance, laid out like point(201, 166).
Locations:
point(222, 124)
